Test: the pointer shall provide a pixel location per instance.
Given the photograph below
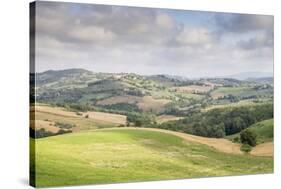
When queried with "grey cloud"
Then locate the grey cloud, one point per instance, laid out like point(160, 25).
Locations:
point(260, 40)
point(101, 23)
point(147, 41)
point(244, 23)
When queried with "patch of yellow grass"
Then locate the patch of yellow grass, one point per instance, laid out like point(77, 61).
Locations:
point(95, 116)
point(148, 103)
point(165, 118)
point(145, 103)
point(47, 125)
point(120, 99)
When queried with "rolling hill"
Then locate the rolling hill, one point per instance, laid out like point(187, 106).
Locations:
point(263, 129)
point(107, 156)
point(166, 94)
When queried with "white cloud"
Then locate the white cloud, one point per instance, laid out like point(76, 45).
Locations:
point(149, 41)
point(91, 34)
point(194, 36)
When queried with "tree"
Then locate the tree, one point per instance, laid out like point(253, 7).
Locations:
point(248, 137)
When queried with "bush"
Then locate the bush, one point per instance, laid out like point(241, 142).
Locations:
point(140, 119)
point(87, 116)
point(248, 137)
point(64, 125)
point(236, 139)
point(41, 133)
point(246, 148)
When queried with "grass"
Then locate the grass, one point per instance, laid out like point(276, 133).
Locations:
point(241, 103)
point(236, 91)
point(109, 156)
point(263, 129)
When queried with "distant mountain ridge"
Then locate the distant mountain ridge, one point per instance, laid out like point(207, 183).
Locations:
point(238, 76)
point(249, 75)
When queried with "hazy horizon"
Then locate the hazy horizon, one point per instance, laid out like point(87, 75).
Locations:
point(150, 41)
point(264, 74)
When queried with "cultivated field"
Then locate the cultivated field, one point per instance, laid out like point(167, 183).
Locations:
point(145, 103)
point(165, 118)
point(46, 116)
point(92, 128)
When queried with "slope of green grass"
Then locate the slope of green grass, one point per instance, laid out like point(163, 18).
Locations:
point(109, 156)
point(263, 129)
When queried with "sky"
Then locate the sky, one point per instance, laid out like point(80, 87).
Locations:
point(104, 38)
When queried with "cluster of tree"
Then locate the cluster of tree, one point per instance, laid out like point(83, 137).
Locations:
point(40, 133)
point(230, 97)
point(141, 119)
point(248, 137)
point(64, 125)
point(135, 92)
point(220, 122)
point(175, 108)
point(123, 107)
point(75, 107)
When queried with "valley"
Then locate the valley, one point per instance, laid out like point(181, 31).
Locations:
point(124, 127)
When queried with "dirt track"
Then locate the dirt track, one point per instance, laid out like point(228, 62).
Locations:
point(265, 149)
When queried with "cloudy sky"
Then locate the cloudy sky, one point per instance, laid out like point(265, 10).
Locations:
point(151, 41)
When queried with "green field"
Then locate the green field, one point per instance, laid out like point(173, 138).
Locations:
point(108, 156)
point(263, 129)
point(236, 91)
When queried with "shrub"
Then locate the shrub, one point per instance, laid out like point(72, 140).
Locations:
point(236, 139)
point(41, 133)
point(246, 148)
point(248, 137)
point(64, 125)
point(62, 131)
point(87, 116)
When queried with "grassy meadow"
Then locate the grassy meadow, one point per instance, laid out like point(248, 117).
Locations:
point(109, 156)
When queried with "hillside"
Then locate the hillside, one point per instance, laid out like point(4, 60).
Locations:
point(158, 94)
point(263, 129)
point(107, 156)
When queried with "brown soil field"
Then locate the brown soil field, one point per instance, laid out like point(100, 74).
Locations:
point(145, 103)
point(48, 125)
point(265, 149)
point(120, 99)
point(96, 116)
point(109, 117)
